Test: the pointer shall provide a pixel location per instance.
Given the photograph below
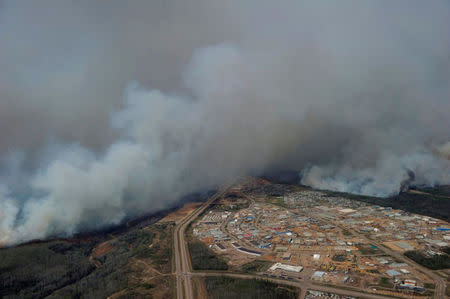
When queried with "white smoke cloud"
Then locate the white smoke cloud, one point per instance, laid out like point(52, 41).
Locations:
point(8, 214)
point(444, 151)
point(357, 100)
point(385, 178)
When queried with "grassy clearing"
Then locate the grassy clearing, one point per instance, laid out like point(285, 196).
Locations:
point(277, 202)
point(368, 250)
point(199, 288)
point(385, 283)
point(346, 233)
point(256, 266)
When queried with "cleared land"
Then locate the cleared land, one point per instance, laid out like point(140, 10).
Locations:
point(181, 213)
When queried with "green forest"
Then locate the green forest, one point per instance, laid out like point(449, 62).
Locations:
point(203, 258)
point(435, 262)
point(227, 287)
point(71, 269)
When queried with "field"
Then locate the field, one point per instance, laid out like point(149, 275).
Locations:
point(368, 250)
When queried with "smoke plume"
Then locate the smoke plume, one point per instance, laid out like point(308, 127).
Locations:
point(109, 109)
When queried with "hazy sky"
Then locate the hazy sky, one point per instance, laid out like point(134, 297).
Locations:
point(113, 108)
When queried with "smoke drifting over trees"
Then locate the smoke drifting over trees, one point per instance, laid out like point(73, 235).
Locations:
point(109, 108)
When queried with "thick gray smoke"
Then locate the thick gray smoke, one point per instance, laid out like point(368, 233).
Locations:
point(109, 109)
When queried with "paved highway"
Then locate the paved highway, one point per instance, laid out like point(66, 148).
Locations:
point(182, 260)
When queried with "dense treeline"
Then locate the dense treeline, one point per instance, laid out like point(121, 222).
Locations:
point(443, 191)
point(111, 276)
point(40, 268)
point(434, 262)
point(256, 266)
point(434, 203)
point(203, 258)
point(227, 287)
point(69, 269)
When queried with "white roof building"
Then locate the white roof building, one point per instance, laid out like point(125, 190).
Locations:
point(285, 267)
point(318, 274)
point(392, 273)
